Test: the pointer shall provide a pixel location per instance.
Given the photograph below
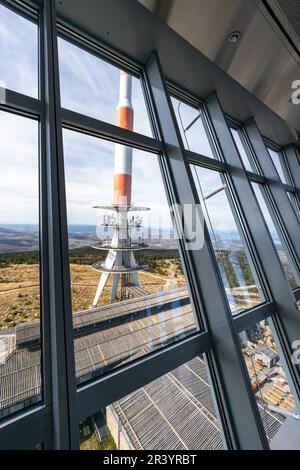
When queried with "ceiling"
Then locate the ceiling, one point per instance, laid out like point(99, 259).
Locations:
point(266, 59)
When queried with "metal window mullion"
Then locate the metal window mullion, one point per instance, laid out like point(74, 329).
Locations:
point(285, 168)
point(287, 187)
point(236, 408)
point(294, 165)
point(101, 392)
point(88, 125)
point(26, 431)
point(246, 320)
point(287, 215)
point(280, 229)
point(61, 362)
point(287, 317)
point(21, 104)
point(255, 169)
point(28, 8)
point(207, 162)
point(297, 294)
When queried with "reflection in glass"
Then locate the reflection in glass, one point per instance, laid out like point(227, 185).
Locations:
point(90, 86)
point(20, 375)
point(279, 165)
point(19, 53)
point(190, 123)
point(240, 147)
point(174, 412)
point(295, 204)
point(134, 299)
point(241, 284)
point(274, 234)
point(269, 382)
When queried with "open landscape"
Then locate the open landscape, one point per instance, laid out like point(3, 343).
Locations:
point(20, 300)
point(20, 281)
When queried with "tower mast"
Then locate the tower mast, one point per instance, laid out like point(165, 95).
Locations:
point(120, 261)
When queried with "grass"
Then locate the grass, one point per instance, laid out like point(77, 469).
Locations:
point(91, 442)
point(20, 283)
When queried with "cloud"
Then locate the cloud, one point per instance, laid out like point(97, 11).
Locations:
point(89, 169)
point(19, 53)
point(90, 86)
point(19, 169)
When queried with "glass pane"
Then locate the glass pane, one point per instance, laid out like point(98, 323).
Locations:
point(241, 284)
point(274, 234)
point(269, 382)
point(295, 204)
point(174, 412)
point(240, 147)
point(279, 165)
point(20, 376)
point(128, 288)
point(91, 86)
point(192, 129)
point(19, 53)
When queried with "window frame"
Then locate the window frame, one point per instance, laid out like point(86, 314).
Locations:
point(36, 424)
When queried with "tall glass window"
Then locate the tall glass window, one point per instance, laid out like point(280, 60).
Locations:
point(20, 373)
point(91, 86)
point(245, 157)
point(295, 202)
point(280, 165)
point(193, 133)
point(19, 53)
point(292, 277)
point(128, 288)
point(241, 283)
point(270, 384)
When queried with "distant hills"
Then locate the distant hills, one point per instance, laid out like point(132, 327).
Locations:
point(16, 238)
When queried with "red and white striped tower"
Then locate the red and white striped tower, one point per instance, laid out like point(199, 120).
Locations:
point(120, 262)
point(123, 154)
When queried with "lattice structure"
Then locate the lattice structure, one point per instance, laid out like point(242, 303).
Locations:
point(120, 262)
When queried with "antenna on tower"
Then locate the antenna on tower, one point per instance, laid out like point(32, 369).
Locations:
point(120, 262)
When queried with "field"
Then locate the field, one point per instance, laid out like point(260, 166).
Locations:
point(19, 294)
point(89, 440)
point(19, 282)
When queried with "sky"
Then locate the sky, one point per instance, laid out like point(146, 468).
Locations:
point(90, 86)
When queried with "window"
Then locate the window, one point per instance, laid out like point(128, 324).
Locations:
point(90, 86)
point(246, 159)
point(174, 412)
point(294, 201)
point(132, 301)
point(20, 374)
point(19, 53)
point(267, 373)
point(279, 164)
point(240, 281)
point(132, 282)
point(193, 133)
point(258, 190)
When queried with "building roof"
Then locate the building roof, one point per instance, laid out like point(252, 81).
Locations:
point(104, 338)
point(267, 352)
point(161, 413)
point(176, 412)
